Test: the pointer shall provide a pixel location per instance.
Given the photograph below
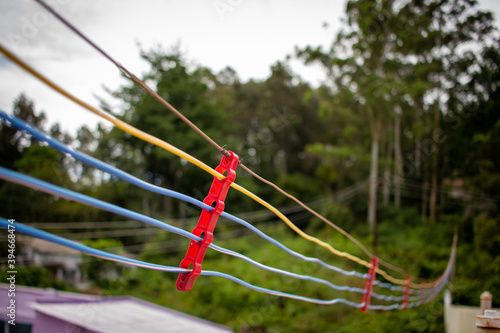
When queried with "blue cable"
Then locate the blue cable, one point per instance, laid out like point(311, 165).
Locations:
point(433, 292)
point(40, 185)
point(22, 125)
point(24, 229)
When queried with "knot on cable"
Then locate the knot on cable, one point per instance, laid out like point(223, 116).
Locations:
point(225, 152)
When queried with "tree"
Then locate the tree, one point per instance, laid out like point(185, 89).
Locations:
point(13, 142)
point(361, 68)
point(100, 272)
point(473, 131)
point(22, 153)
point(342, 156)
point(275, 120)
point(442, 55)
point(26, 155)
point(188, 88)
point(405, 63)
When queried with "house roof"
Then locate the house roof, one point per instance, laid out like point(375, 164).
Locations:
point(50, 248)
point(103, 314)
point(44, 246)
point(26, 295)
point(126, 315)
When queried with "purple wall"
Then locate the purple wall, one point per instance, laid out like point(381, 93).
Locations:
point(45, 324)
point(58, 312)
point(26, 295)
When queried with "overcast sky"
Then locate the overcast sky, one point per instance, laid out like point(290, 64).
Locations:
point(248, 36)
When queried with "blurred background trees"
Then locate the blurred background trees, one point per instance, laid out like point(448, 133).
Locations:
point(403, 134)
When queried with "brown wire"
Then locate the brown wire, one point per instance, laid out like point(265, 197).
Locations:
point(324, 219)
point(303, 205)
point(131, 76)
point(207, 138)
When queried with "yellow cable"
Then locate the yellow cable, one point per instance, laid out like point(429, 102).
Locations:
point(117, 122)
point(320, 242)
point(162, 144)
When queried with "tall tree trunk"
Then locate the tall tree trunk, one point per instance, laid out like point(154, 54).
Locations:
point(435, 138)
point(435, 165)
point(387, 176)
point(418, 137)
point(425, 168)
point(372, 199)
point(398, 159)
point(425, 193)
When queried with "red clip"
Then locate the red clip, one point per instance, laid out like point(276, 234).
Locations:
point(430, 290)
point(369, 284)
point(423, 292)
point(406, 295)
point(207, 222)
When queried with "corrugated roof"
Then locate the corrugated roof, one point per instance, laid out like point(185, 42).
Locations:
point(120, 316)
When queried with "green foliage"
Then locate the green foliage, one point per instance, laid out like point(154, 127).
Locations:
point(473, 146)
point(40, 162)
point(339, 164)
point(230, 304)
point(486, 236)
point(298, 184)
point(400, 217)
point(341, 214)
point(40, 277)
point(314, 143)
point(164, 244)
point(103, 273)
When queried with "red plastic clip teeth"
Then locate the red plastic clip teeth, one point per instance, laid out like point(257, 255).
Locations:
point(207, 221)
point(406, 295)
point(369, 284)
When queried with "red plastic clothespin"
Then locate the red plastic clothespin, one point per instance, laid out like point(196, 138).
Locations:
point(430, 290)
point(423, 292)
point(406, 296)
point(430, 285)
point(369, 284)
point(207, 221)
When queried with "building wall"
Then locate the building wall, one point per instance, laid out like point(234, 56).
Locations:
point(27, 295)
point(459, 318)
